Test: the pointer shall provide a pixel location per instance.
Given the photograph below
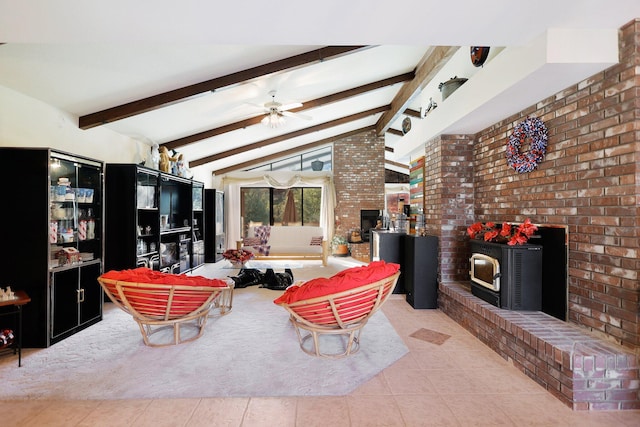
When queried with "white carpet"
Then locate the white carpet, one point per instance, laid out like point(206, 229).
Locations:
point(252, 351)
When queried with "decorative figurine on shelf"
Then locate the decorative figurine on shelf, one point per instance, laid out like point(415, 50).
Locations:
point(165, 160)
point(153, 161)
point(182, 167)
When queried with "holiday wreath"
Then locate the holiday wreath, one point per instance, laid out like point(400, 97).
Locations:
point(533, 129)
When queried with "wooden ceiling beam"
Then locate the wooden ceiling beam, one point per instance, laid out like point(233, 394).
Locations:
point(396, 164)
point(167, 98)
point(413, 113)
point(292, 151)
point(393, 131)
point(432, 62)
point(294, 134)
point(335, 97)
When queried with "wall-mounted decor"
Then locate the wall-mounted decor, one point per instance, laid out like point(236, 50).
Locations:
point(479, 55)
point(450, 86)
point(406, 125)
point(533, 131)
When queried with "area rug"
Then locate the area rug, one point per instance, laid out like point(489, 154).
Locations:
point(251, 351)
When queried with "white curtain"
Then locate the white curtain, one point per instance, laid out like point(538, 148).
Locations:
point(233, 182)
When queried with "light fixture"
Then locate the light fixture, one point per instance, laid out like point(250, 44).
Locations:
point(273, 119)
point(55, 163)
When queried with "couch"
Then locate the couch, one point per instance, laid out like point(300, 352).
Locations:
point(290, 242)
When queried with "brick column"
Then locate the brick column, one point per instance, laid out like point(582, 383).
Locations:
point(448, 201)
point(358, 168)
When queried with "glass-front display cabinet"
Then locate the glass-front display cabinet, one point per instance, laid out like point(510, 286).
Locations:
point(152, 219)
point(56, 230)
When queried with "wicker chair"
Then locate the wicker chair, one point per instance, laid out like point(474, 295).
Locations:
point(344, 313)
point(159, 306)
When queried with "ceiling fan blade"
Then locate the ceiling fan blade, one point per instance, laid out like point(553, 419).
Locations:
point(290, 106)
point(296, 115)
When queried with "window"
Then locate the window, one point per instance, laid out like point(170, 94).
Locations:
point(316, 160)
point(274, 206)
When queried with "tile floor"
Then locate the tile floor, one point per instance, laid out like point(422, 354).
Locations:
point(459, 382)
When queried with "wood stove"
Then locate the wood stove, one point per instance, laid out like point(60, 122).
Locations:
point(508, 277)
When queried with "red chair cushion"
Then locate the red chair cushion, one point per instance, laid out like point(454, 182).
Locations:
point(347, 279)
point(154, 303)
point(146, 275)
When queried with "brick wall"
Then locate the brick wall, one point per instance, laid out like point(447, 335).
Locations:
point(448, 201)
point(588, 181)
point(358, 171)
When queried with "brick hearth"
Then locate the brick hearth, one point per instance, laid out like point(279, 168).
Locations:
point(583, 371)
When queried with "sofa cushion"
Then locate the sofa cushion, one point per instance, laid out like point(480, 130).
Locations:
point(347, 279)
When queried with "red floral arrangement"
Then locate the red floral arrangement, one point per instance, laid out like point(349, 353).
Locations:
point(237, 255)
point(508, 233)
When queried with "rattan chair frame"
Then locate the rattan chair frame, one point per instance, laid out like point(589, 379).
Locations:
point(344, 313)
point(159, 306)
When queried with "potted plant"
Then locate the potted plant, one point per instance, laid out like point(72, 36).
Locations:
point(340, 245)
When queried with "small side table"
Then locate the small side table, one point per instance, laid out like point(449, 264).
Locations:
point(20, 298)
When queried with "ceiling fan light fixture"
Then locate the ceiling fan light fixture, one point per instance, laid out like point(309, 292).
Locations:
point(273, 120)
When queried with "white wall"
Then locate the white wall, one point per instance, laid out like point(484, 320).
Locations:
point(28, 122)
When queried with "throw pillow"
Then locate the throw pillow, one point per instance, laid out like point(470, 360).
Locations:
point(316, 241)
point(251, 241)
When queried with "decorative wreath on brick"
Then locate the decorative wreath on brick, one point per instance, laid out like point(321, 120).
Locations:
point(534, 129)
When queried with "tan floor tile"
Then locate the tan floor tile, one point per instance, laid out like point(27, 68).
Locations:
point(63, 413)
point(454, 381)
point(476, 410)
point(504, 380)
point(425, 410)
point(19, 412)
point(476, 359)
point(218, 412)
point(372, 411)
point(270, 411)
point(376, 386)
point(409, 381)
point(323, 411)
point(111, 413)
point(545, 410)
point(434, 358)
point(167, 412)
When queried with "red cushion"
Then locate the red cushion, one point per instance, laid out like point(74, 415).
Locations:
point(146, 275)
point(347, 279)
point(150, 303)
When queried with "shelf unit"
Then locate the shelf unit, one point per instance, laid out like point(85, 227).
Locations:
point(56, 247)
point(153, 219)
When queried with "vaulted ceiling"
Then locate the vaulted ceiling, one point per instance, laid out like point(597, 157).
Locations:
point(357, 68)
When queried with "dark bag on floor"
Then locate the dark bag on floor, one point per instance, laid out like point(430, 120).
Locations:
point(247, 277)
point(277, 281)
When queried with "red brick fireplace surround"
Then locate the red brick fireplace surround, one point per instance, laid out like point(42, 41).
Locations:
point(583, 371)
point(588, 182)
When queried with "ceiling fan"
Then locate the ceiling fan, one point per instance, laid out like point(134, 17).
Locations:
point(275, 112)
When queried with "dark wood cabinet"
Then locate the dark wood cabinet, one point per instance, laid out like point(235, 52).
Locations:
point(153, 219)
point(387, 245)
point(54, 226)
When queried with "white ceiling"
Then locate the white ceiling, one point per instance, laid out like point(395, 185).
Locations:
point(83, 57)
